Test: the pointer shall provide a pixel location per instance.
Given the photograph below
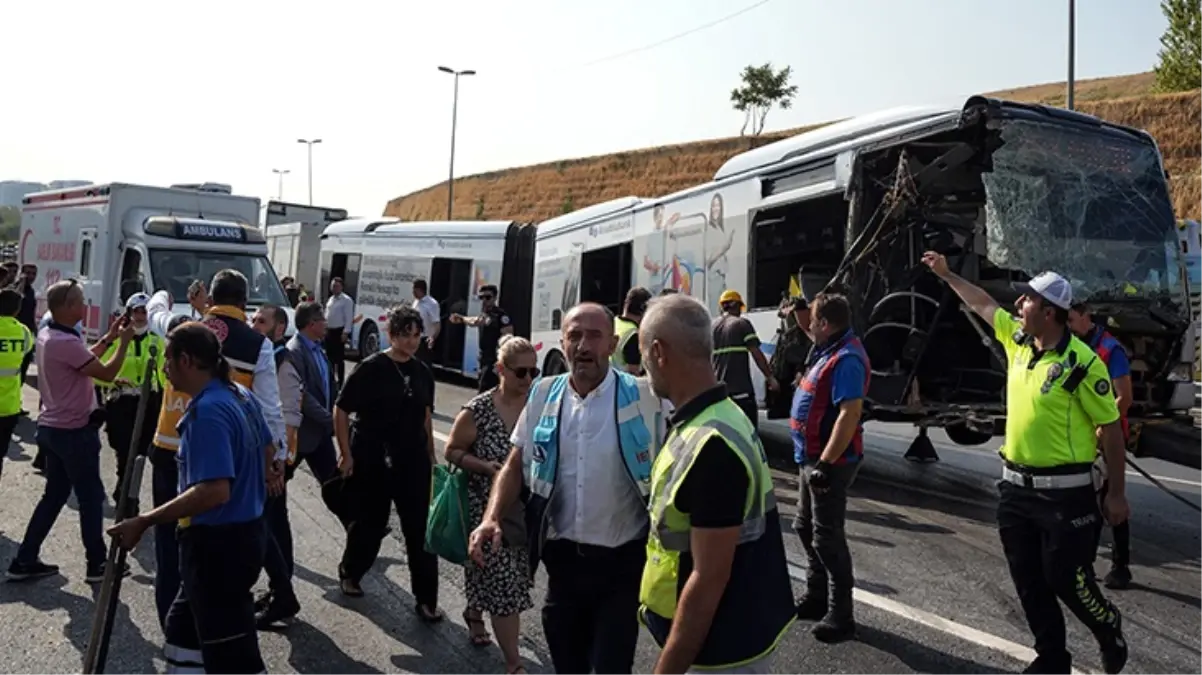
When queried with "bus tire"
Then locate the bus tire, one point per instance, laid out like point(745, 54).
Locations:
point(554, 364)
point(961, 434)
point(369, 340)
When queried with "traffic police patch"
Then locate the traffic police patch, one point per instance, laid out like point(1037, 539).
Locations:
point(1102, 387)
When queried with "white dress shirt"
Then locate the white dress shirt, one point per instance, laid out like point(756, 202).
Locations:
point(266, 383)
point(340, 311)
point(595, 500)
point(428, 308)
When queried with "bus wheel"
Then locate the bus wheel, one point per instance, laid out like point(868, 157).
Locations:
point(961, 434)
point(554, 365)
point(369, 341)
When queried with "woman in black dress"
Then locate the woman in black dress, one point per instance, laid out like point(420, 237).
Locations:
point(382, 417)
point(479, 443)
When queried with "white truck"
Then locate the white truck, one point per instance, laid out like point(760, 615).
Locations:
point(293, 234)
point(119, 239)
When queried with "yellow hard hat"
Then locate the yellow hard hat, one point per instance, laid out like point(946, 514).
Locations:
point(730, 296)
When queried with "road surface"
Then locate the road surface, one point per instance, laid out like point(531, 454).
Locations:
point(933, 594)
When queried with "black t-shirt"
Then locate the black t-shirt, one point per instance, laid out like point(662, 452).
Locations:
point(389, 400)
point(714, 492)
point(492, 321)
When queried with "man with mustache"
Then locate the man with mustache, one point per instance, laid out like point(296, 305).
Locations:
point(583, 447)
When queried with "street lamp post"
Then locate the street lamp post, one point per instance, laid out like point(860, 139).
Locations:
point(280, 173)
point(1072, 51)
point(310, 143)
point(454, 121)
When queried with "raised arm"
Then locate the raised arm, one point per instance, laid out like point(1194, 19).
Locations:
point(975, 297)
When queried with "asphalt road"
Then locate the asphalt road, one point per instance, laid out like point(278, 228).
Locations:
point(933, 594)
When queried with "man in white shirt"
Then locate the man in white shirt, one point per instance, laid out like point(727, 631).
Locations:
point(431, 320)
point(589, 476)
point(340, 317)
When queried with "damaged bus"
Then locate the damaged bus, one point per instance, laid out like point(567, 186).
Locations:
point(1005, 190)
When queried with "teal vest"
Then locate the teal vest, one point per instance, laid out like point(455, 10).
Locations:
point(639, 417)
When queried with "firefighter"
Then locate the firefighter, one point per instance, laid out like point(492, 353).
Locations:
point(1057, 396)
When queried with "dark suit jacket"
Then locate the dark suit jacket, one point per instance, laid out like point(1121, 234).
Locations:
point(317, 422)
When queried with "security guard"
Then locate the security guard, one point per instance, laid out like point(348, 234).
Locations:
point(626, 328)
point(715, 553)
point(15, 342)
point(1057, 396)
point(122, 395)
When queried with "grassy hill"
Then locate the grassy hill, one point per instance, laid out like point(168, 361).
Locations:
point(541, 191)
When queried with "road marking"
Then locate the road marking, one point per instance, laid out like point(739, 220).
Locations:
point(441, 436)
point(1166, 479)
point(1012, 649)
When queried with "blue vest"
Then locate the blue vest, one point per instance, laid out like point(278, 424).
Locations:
point(639, 417)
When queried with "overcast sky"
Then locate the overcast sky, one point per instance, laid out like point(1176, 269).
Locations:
point(162, 92)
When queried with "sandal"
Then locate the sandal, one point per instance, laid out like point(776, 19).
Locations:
point(481, 638)
point(516, 670)
point(428, 616)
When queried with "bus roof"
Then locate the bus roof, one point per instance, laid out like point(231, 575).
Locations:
point(588, 213)
point(384, 226)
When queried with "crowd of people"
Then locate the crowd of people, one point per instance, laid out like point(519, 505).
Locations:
point(637, 479)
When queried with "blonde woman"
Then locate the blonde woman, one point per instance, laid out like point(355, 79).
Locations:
point(479, 443)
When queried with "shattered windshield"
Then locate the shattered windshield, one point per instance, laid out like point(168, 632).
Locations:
point(1091, 206)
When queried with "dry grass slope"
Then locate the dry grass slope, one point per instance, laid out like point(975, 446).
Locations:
point(535, 193)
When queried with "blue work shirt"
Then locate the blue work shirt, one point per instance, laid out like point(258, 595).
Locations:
point(224, 436)
point(323, 365)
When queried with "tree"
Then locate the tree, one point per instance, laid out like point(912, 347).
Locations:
point(10, 223)
point(1180, 67)
point(480, 207)
point(763, 87)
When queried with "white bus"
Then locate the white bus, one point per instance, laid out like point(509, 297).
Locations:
point(378, 260)
point(1005, 190)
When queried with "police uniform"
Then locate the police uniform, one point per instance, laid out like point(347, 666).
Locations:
point(1047, 512)
point(756, 609)
point(121, 400)
point(15, 343)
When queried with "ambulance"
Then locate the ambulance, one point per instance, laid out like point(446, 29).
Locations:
point(119, 239)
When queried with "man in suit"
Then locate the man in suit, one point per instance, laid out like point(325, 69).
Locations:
point(315, 440)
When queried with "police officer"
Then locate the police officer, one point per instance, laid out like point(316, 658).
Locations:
point(1057, 396)
point(712, 509)
point(626, 328)
point(493, 322)
point(122, 396)
point(15, 342)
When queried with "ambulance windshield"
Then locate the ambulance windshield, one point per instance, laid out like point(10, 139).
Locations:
point(176, 270)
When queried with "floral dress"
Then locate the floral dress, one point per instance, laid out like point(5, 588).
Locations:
point(502, 586)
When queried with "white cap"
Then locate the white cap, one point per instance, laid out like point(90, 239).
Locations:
point(1051, 287)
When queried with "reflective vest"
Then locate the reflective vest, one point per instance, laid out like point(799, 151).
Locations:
point(240, 345)
point(1106, 344)
point(813, 416)
point(133, 368)
point(639, 416)
point(15, 342)
point(757, 607)
point(624, 329)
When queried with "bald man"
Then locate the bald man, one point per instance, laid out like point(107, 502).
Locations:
point(592, 535)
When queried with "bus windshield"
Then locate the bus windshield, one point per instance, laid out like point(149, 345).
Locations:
point(1089, 205)
point(175, 271)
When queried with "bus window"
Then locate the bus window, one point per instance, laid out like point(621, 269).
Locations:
point(807, 234)
point(605, 275)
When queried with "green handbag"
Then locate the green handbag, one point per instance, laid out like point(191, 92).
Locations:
point(446, 523)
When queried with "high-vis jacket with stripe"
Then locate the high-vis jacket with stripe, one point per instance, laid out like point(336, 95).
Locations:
point(756, 608)
point(133, 368)
point(639, 417)
point(15, 342)
point(625, 330)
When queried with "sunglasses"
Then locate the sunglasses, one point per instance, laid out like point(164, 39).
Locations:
point(523, 372)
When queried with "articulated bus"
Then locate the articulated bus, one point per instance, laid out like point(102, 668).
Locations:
point(1005, 190)
point(378, 260)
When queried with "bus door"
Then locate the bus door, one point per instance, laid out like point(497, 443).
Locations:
point(451, 286)
point(605, 275)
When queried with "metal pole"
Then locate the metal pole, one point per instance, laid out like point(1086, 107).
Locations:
point(1072, 40)
point(280, 173)
point(310, 173)
point(454, 123)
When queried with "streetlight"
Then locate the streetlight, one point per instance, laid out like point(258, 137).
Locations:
point(311, 143)
point(454, 119)
point(280, 173)
point(1072, 56)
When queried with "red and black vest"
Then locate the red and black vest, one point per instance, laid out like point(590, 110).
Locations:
point(1105, 344)
point(813, 416)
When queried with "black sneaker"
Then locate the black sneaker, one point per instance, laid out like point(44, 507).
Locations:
point(96, 573)
point(1119, 577)
point(19, 571)
point(811, 607)
point(831, 630)
point(1114, 649)
point(281, 610)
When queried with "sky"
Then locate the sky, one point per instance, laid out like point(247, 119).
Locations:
point(164, 92)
